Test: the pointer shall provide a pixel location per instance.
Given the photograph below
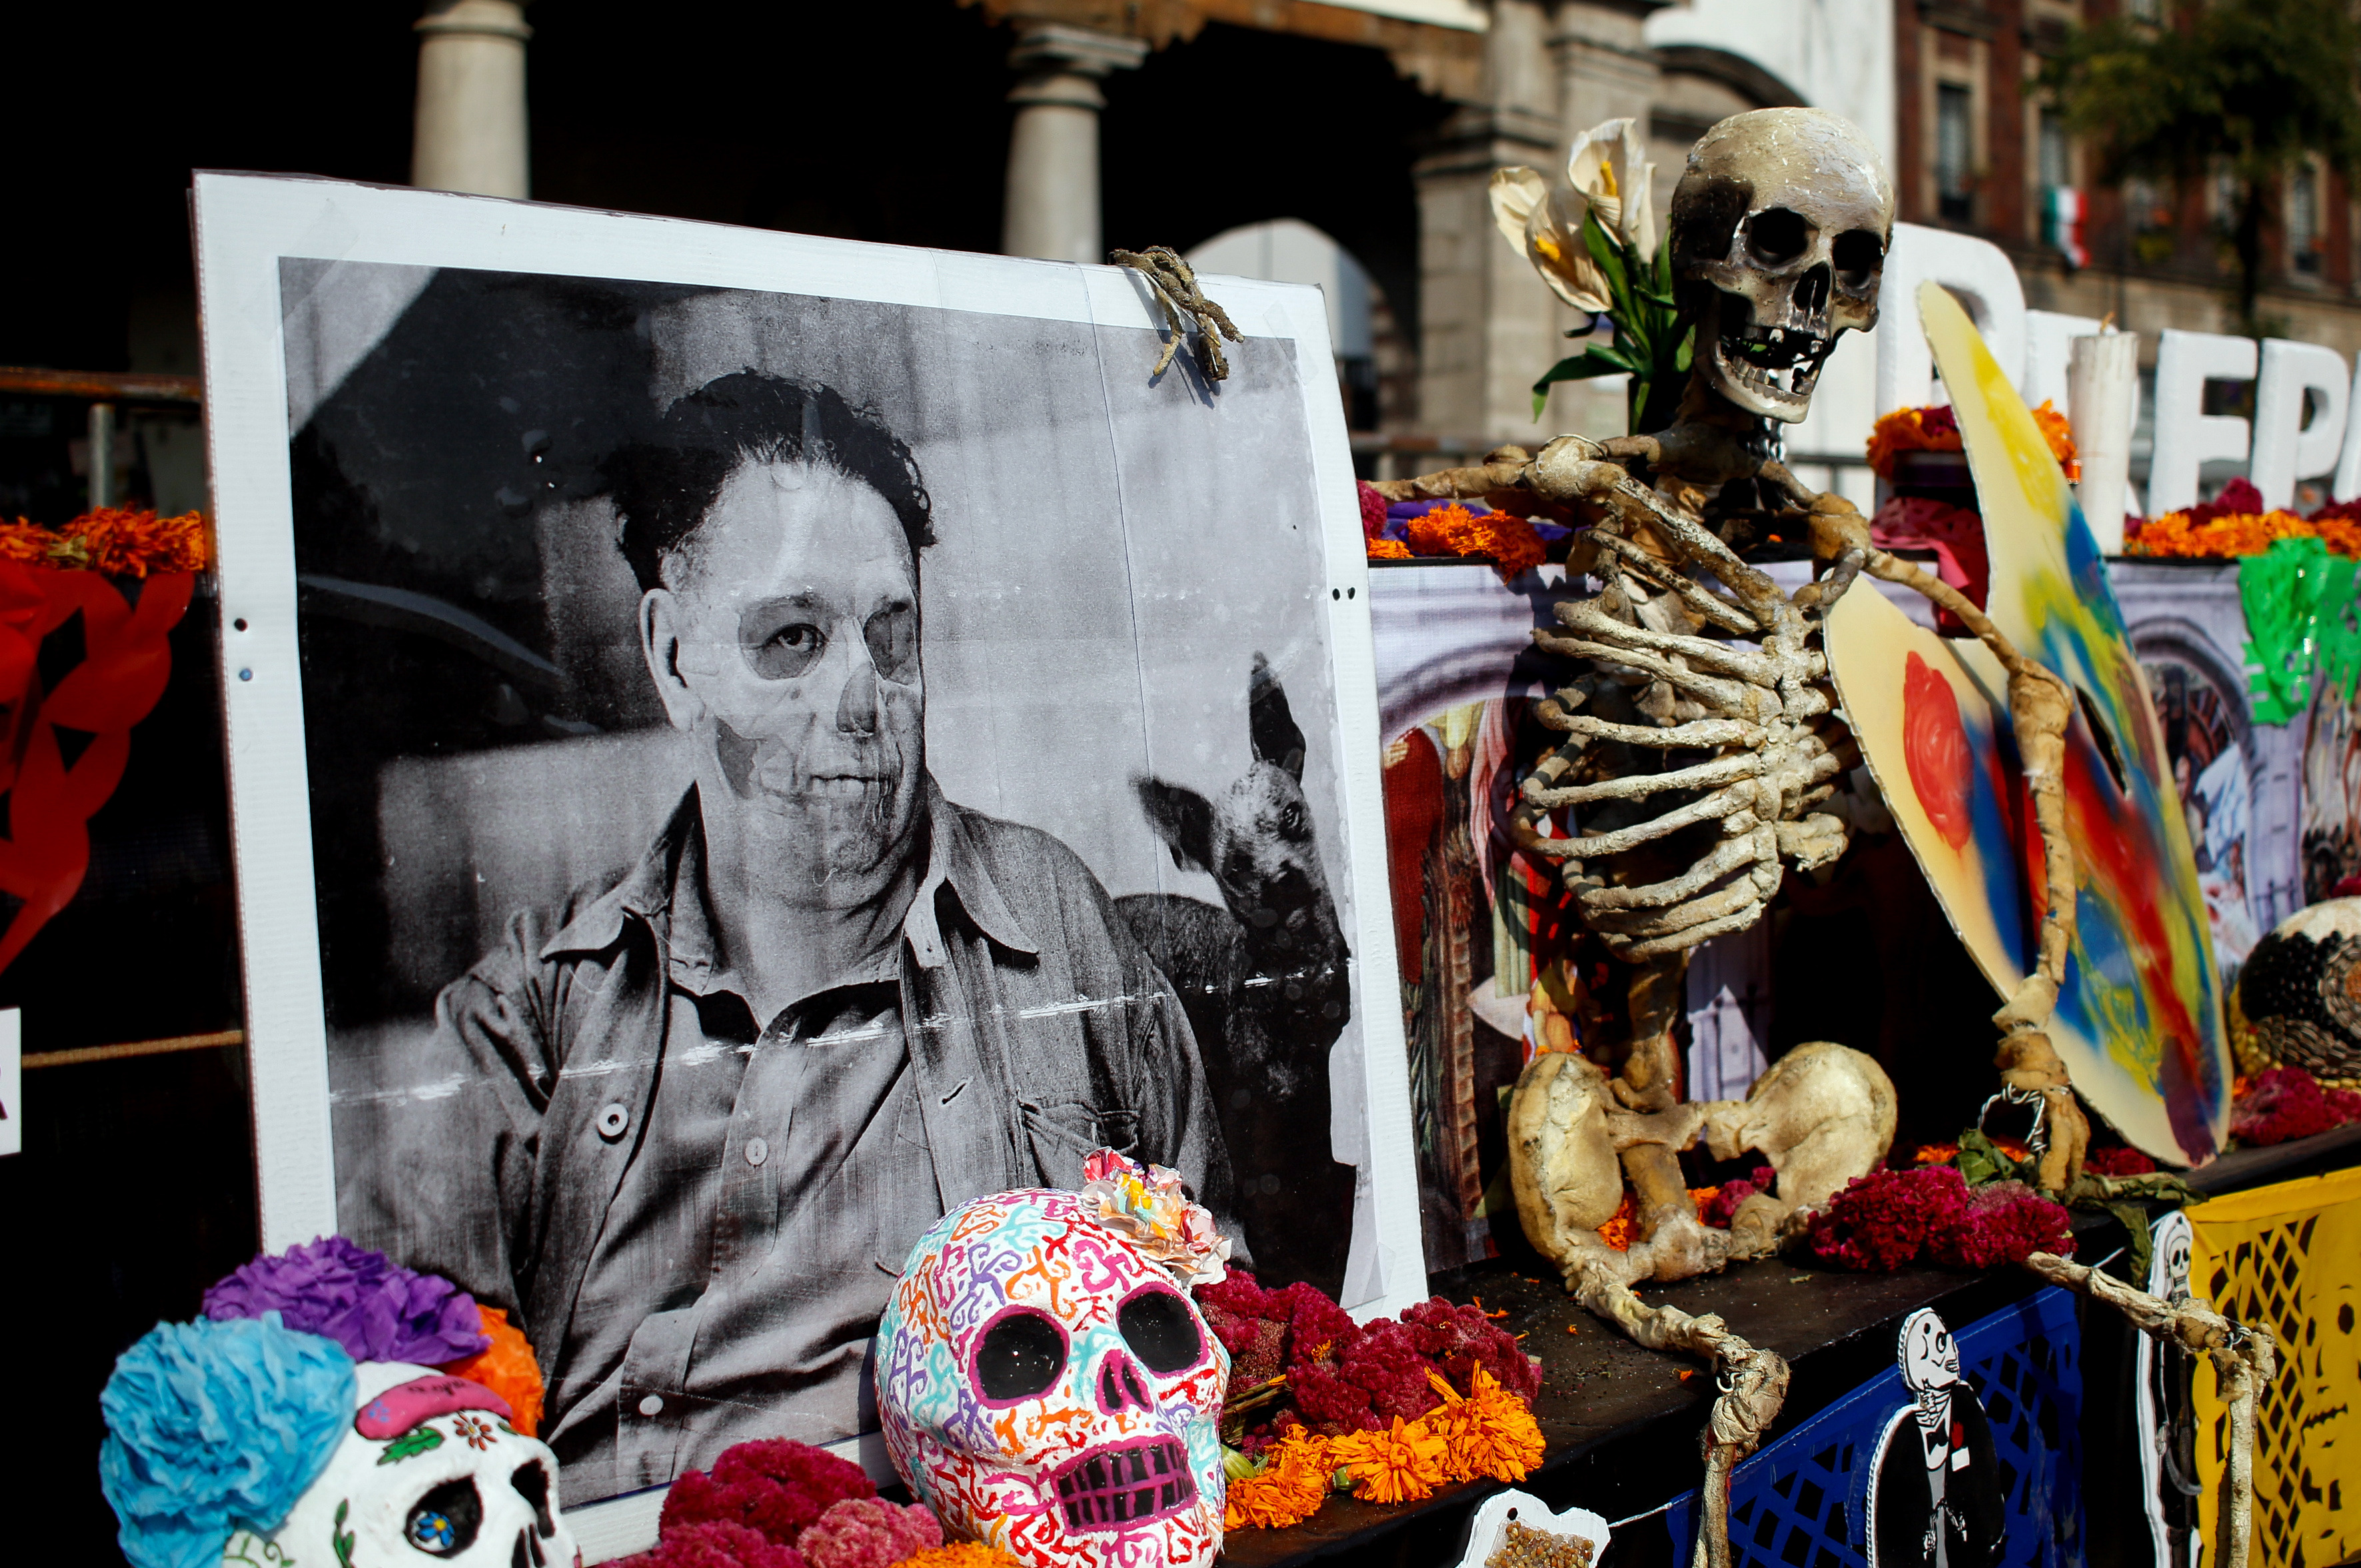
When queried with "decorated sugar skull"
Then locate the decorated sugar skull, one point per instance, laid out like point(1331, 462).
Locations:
point(1046, 1387)
point(429, 1471)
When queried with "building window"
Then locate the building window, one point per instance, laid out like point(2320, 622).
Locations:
point(2146, 10)
point(1954, 160)
point(2305, 241)
point(2056, 169)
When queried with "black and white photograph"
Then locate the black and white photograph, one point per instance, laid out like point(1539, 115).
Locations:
point(783, 762)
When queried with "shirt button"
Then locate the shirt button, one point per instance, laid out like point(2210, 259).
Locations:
point(653, 1405)
point(757, 1151)
point(612, 1122)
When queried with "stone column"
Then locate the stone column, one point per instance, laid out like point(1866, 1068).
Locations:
point(1052, 210)
point(471, 133)
point(1488, 325)
point(1605, 68)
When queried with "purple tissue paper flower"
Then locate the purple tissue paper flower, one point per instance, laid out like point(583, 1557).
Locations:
point(359, 1298)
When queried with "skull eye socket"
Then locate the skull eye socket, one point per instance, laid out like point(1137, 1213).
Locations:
point(1777, 236)
point(532, 1483)
point(1156, 1324)
point(1021, 1354)
point(444, 1523)
point(1857, 255)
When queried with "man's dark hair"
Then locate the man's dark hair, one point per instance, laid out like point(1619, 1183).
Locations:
point(665, 486)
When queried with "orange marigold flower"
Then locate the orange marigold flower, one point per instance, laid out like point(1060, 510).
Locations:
point(1390, 550)
point(2176, 534)
point(958, 1554)
point(2061, 436)
point(1624, 1228)
point(1298, 1474)
point(1511, 542)
point(507, 1367)
point(1402, 1465)
point(1911, 430)
point(124, 541)
point(27, 544)
point(1491, 1433)
point(121, 542)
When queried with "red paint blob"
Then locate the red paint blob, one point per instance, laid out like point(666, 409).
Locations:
point(1935, 746)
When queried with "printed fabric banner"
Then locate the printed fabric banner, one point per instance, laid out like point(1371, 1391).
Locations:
point(1966, 1454)
point(2288, 1257)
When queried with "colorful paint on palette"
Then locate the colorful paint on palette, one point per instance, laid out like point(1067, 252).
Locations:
point(2139, 1019)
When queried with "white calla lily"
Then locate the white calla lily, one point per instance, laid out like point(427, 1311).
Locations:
point(1534, 221)
point(1609, 166)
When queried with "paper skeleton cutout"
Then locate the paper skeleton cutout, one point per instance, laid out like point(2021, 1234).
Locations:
point(1935, 1496)
point(2163, 1414)
point(430, 1470)
point(1046, 1389)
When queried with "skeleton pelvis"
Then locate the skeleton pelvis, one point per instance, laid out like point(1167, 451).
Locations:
point(1822, 1115)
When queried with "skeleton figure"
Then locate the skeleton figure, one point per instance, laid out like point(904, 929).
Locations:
point(1703, 752)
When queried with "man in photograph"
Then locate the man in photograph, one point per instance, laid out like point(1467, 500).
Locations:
point(717, 1100)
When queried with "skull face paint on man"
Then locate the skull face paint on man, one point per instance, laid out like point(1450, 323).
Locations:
point(788, 651)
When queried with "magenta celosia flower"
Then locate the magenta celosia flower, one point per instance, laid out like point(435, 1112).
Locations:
point(2003, 1223)
point(865, 1532)
point(2118, 1162)
point(1373, 509)
point(776, 1486)
point(1883, 1220)
point(2285, 1102)
point(715, 1543)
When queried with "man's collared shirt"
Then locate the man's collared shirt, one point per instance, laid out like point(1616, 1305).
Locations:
point(699, 1216)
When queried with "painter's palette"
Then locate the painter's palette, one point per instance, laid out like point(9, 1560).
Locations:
point(2139, 1021)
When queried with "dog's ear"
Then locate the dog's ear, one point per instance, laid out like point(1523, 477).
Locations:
point(1182, 818)
point(1276, 740)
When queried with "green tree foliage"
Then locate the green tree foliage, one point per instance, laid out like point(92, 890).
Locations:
point(2250, 86)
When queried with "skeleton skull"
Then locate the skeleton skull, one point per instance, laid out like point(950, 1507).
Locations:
point(1045, 1387)
point(1779, 226)
point(429, 1472)
point(1929, 1358)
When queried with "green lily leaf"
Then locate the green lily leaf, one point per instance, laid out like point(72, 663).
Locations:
point(1609, 257)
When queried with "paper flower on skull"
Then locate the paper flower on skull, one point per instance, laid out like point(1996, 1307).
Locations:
point(1147, 1204)
point(236, 1436)
point(1046, 1389)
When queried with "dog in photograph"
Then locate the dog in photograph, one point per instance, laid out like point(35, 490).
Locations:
point(1263, 979)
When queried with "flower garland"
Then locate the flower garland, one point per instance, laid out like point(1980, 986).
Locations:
point(117, 542)
point(1406, 530)
point(1937, 429)
point(2235, 523)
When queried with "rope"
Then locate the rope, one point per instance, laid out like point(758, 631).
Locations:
point(1174, 283)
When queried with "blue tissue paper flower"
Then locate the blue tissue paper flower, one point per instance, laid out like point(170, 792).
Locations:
point(217, 1427)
